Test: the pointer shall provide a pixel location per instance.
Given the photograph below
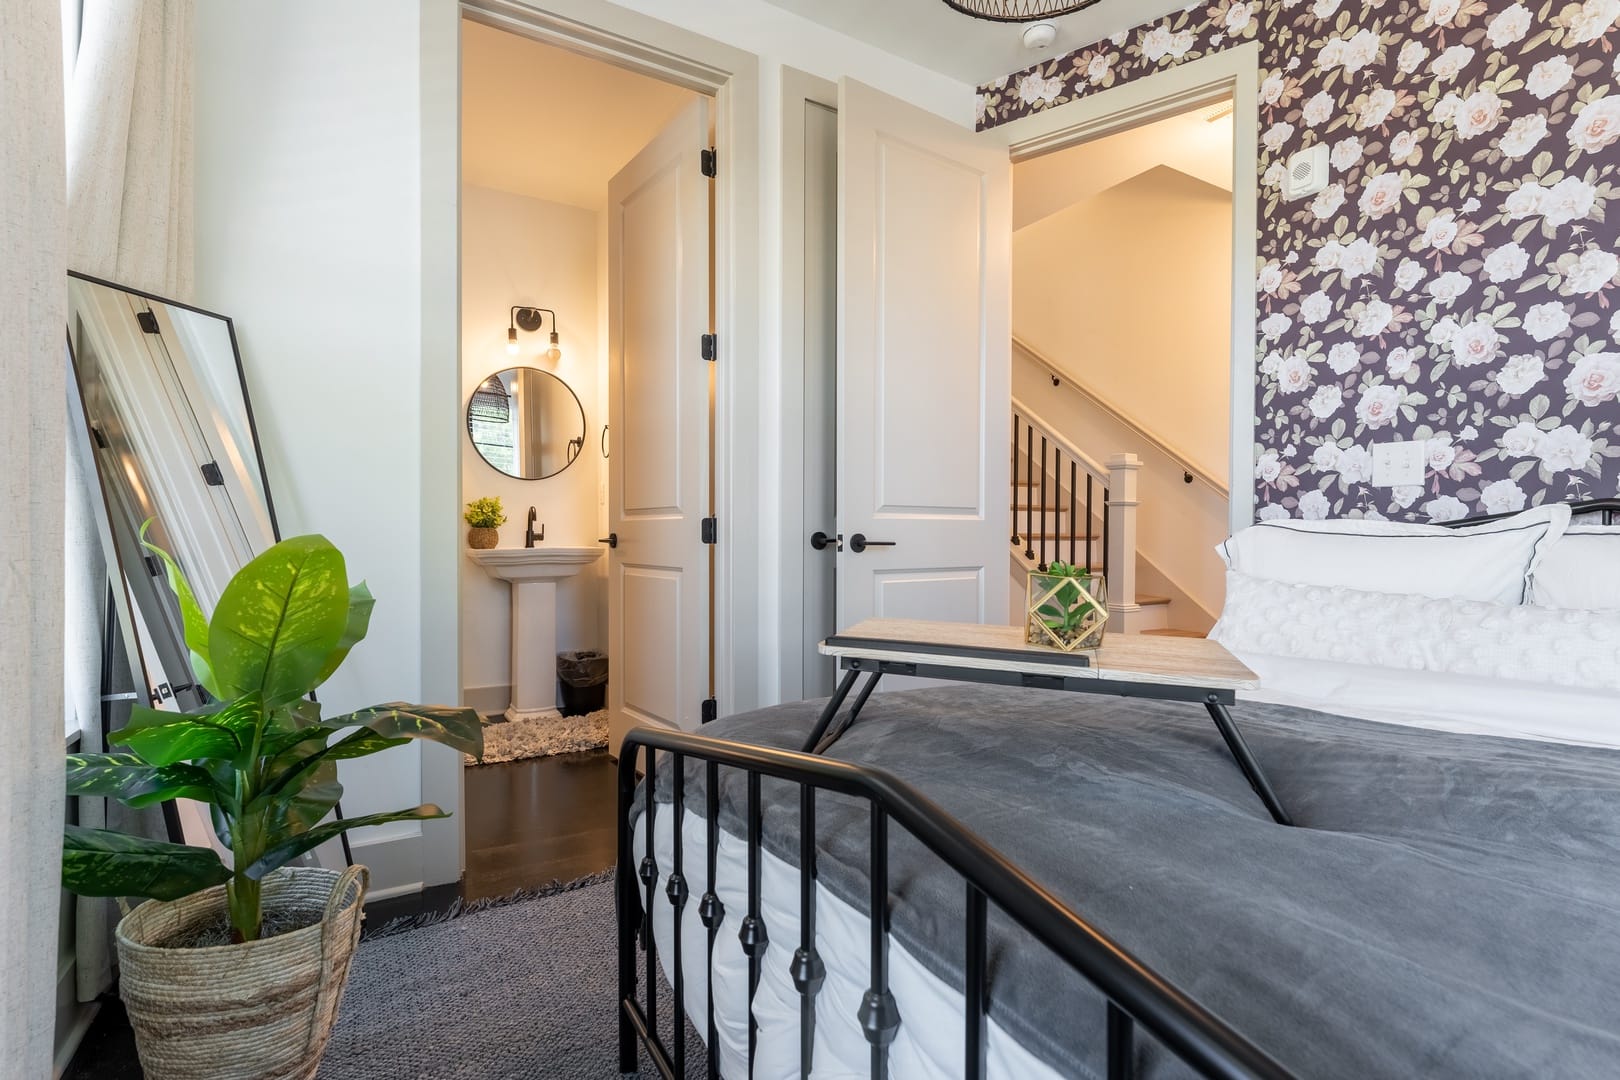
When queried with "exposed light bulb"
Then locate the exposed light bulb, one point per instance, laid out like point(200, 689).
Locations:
point(511, 340)
point(554, 353)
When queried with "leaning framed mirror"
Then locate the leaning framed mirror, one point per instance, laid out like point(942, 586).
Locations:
point(526, 423)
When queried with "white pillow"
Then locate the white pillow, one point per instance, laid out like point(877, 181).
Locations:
point(1582, 570)
point(1416, 633)
point(1491, 562)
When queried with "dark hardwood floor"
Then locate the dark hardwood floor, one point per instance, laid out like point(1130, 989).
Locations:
point(529, 823)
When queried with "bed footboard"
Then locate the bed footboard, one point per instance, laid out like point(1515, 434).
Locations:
point(1136, 996)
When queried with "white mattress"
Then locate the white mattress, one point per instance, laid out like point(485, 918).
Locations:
point(929, 1043)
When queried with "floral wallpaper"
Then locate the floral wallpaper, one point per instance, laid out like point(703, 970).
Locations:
point(1455, 283)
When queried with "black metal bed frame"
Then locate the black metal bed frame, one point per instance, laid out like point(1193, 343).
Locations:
point(1136, 996)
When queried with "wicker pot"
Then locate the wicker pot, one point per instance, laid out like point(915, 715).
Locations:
point(481, 539)
point(261, 1010)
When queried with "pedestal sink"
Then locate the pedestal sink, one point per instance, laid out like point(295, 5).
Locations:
point(533, 574)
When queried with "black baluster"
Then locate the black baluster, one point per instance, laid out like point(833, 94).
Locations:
point(1105, 535)
point(711, 912)
point(879, 1016)
point(1029, 493)
point(975, 970)
point(1045, 529)
point(752, 935)
point(1074, 500)
point(676, 891)
point(1121, 1044)
point(808, 971)
point(1088, 523)
point(649, 876)
point(1016, 539)
point(628, 902)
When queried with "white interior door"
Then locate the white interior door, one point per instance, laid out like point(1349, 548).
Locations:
point(924, 382)
point(659, 598)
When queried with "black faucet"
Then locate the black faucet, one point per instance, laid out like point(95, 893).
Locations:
point(529, 535)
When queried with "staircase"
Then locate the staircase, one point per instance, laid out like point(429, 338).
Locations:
point(1067, 507)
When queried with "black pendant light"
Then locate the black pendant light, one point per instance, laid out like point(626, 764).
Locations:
point(1019, 10)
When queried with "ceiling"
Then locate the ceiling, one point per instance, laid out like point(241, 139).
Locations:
point(543, 122)
point(1189, 143)
point(930, 34)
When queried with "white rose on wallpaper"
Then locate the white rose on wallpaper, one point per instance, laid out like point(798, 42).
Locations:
point(1119, 38)
point(1035, 90)
point(1590, 21)
point(1447, 65)
point(1374, 319)
point(1506, 263)
point(1318, 110)
point(1402, 147)
point(1326, 401)
point(1564, 449)
point(1520, 440)
point(1441, 230)
point(1355, 464)
point(1476, 343)
point(1441, 12)
point(1331, 55)
point(1324, 9)
point(1520, 374)
point(1444, 110)
point(1443, 331)
point(1275, 325)
point(1098, 67)
point(1295, 374)
point(1379, 405)
point(1156, 42)
point(1181, 42)
point(1404, 495)
point(1315, 307)
point(1589, 273)
point(1272, 361)
point(1524, 201)
point(1382, 194)
point(1549, 77)
point(1399, 362)
point(1327, 202)
point(1409, 273)
point(1238, 17)
point(1360, 50)
point(1342, 357)
point(1614, 326)
point(1272, 512)
point(1509, 26)
point(1360, 257)
point(1330, 256)
point(1314, 506)
point(1479, 113)
point(1346, 153)
point(1596, 124)
point(1449, 285)
point(1445, 508)
point(1595, 378)
point(1546, 321)
point(1325, 458)
point(1373, 108)
point(1271, 88)
point(1274, 174)
point(1438, 453)
point(1469, 433)
point(1267, 467)
point(1412, 55)
point(1270, 277)
point(1568, 200)
point(1277, 135)
point(1523, 134)
point(1502, 497)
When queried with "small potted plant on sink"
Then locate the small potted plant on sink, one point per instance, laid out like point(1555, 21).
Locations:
point(236, 971)
point(484, 516)
point(1068, 607)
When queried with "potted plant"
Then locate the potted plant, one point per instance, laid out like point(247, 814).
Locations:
point(1068, 607)
point(236, 971)
point(485, 516)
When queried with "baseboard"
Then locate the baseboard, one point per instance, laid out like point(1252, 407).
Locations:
point(487, 699)
point(395, 864)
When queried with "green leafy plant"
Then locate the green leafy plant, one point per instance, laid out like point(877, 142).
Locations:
point(1067, 609)
point(485, 513)
point(261, 756)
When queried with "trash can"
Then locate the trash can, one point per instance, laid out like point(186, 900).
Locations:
point(582, 678)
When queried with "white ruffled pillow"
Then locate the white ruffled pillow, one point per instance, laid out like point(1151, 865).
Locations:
point(1574, 648)
point(1492, 561)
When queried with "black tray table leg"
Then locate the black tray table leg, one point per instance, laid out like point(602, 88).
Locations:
point(830, 711)
point(1245, 759)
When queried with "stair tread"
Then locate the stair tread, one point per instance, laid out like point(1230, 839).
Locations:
point(1172, 632)
point(1148, 600)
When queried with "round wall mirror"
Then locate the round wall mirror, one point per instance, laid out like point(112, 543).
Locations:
point(526, 422)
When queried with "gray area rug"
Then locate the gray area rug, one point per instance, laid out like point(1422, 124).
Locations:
point(516, 740)
point(519, 991)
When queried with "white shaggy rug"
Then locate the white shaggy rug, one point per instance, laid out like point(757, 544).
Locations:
point(515, 740)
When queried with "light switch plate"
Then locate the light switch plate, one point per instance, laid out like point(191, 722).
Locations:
point(1398, 464)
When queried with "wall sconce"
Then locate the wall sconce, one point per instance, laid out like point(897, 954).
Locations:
point(531, 319)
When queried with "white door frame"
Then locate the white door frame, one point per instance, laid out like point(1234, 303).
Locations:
point(1234, 71)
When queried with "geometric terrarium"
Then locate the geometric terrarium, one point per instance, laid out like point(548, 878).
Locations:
point(1068, 608)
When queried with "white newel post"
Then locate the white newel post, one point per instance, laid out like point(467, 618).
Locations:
point(1124, 614)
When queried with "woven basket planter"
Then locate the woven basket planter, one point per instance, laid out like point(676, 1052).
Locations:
point(261, 1010)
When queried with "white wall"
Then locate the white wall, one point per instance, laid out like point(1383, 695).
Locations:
point(309, 234)
point(518, 250)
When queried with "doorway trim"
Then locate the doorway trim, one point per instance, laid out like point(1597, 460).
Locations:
point(1234, 72)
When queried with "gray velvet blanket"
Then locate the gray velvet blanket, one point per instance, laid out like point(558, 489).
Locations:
point(1448, 906)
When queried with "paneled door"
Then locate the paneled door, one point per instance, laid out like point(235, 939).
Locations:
point(659, 492)
point(924, 376)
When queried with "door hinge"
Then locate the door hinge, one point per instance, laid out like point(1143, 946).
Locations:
point(148, 321)
point(711, 710)
point(711, 530)
point(711, 347)
point(211, 475)
point(710, 165)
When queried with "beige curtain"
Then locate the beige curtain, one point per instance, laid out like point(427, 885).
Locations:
point(129, 180)
point(33, 311)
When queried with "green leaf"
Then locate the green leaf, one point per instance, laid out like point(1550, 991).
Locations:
point(279, 620)
point(357, 744)
point(455, 727)
point(354, 631)
point(98, 862)
point(292, 847)
point(182, 738)
point(313, 800)
point(134, 782)
point(192, 619)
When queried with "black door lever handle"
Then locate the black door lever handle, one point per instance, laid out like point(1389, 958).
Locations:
point(611, 540)
point(859, 543)
point(821, 541)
